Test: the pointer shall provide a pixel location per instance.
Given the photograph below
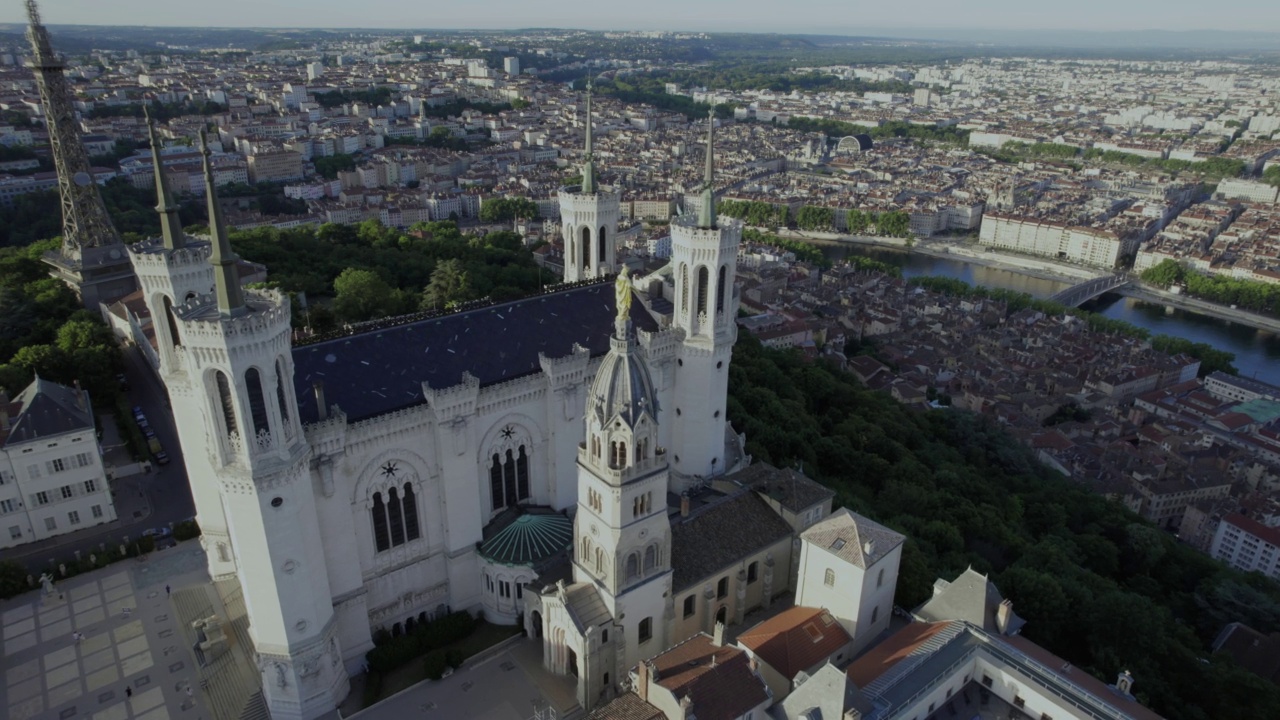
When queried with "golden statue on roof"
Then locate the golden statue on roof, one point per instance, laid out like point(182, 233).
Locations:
point(622, 290)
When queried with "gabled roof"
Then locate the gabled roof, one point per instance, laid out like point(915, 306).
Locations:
point(627, 706)
point(796, 640)
point(46, 409)
point(853, 538)
point(970, 597)
point(716, 536)
point(717, 679)
point(382, 370)
point(788, 488)
point(826, 695)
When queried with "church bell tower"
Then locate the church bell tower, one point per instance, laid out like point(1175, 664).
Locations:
point(245, 453)
point(704, 254)
point(588, 217)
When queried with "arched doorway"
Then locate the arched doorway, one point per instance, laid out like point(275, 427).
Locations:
point(722, 613)
point(536, 619)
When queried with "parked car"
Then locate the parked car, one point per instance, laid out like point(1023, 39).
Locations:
point(142, 423)
point(122, 381)
point(137, 411)
point(157, 533)
point(162, 457)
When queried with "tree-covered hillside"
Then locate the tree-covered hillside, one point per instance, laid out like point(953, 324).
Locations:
point(1098, 585)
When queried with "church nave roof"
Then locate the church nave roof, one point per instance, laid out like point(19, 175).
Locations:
point(379, 371)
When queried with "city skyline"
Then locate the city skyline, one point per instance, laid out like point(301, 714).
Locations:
point(810, 16)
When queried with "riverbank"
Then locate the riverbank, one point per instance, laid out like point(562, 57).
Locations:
point(1182, 302)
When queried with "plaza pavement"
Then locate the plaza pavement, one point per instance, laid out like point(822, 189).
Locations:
point(131, 639)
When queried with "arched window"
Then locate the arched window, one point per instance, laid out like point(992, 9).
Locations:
point(509, 478)
point(397, 518)
point(522, 475)
point(495, 482)
point(257, 403)
point(880, 578)
point(169, 315)
point(600, 563)
point(601, 255)
point(633, 566)
point(380, 538)
point(280, 396)
point(586, 246)
point(650, 559)
point(684, 287)
point(720, 290)
point(586, 550)
point(228, 407)
point(703, 278)
point(622, 455)
point(411, 531)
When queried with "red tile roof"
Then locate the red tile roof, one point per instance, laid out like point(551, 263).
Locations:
point(795, 640)
point(895, 649)
point(718, 679)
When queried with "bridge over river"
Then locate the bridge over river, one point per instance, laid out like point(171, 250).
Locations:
point(1078, 294)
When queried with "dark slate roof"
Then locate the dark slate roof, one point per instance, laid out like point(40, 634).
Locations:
point(788, 488)
point(46, 409)
point(716, 536)
point(378, 371)
point(526, 536)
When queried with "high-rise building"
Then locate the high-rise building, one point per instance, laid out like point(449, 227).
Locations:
point(511, 65)
point(92, 259)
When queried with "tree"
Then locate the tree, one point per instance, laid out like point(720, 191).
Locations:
point(329, 167)
point(361, 295)
point(449, 285)
point(507, 209)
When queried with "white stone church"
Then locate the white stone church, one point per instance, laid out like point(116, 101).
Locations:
point(562, 460)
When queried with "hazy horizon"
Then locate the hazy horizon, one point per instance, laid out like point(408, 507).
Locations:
point(821, 17)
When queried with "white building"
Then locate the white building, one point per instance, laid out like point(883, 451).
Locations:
point(1248, 545)
point(511, 65)
point(52, 480)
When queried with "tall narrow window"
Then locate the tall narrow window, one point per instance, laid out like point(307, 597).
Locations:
point(601, 256)
point(410, 514)
point(650, 558)
point(228, 407)
point(397, 518)
point(684, 287)
point(495, 482)
point(257, 403)
point(380, 538)
point(172, 319)
point(509, 478)
point(280, 396)
point(633, 565)
point(522, 475)
point(720, 290)
point(703, 278)
point(586, 246)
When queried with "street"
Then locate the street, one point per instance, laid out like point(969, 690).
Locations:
point(164, 490)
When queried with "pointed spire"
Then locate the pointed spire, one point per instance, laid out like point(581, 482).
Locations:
point(707, 213)
point(226, 277)
point(170, 225)
point(588, 163)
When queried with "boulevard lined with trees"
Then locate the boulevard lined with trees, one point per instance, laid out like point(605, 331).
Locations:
point(1249, 294)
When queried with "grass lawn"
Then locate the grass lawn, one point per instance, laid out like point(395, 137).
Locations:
point(486, 635)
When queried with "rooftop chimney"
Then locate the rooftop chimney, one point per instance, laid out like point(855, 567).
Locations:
point(642, 682)
point(684, 506)
point(869, 547)
point(322, 411)
point(1124, 683)
point(717, 638)
point(1003, 614)
point(79, 394)
point(686, 707)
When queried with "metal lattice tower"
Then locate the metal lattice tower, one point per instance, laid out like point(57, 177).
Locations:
point(84, 217)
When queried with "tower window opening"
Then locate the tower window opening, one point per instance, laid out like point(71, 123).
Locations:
point(381, 540)
point(650, 559)
point(281, 398)
point(172, 318)
point(257, 403)
point(684, 287)
point(225, 398)
point(522, 475)
point(495, 482)
point(601, 255)
point(633, 566)
point(703, 281)
point(585, 246)
point(397, 518)
point(509, 478)
point(411, 531)
point(720, 290)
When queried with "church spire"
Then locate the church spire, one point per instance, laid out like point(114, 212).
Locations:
point(588, 163)
point(707, 213)
point(170, 225)
point(225, 275)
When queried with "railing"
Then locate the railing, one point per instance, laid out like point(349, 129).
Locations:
point(1079, 293)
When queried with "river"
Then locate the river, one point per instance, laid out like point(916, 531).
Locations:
point(1257, 351)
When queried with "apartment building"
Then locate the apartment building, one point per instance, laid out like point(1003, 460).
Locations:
point(52, 479)
point(275, 166)
point(1247, 544)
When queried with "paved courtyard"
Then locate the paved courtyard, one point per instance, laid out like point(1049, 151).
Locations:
point(130, 640)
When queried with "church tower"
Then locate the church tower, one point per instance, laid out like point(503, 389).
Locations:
point(621, 531)
point(704, 254)
point(588, 217)
point(242, 438)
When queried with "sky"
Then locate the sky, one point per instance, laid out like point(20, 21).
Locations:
point(788, 16)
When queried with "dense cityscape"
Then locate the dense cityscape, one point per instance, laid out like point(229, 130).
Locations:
point(574, 374)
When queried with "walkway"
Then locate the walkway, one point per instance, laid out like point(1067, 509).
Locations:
point(131, 640)
point(1081, 293)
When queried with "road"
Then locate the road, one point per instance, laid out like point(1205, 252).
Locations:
point(165, 488)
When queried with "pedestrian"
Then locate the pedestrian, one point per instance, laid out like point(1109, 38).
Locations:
point(189, 692)
point(167, 591)
point(128, 691)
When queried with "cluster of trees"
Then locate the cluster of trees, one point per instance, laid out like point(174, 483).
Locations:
point(1249, 294)
point(507, 209)
point(1271, 175)
point(1211, 359)
point(755, 212)
point(805, 252)
point(895, 128)
point(47, 331)
point(439, 137)
point(36, 216)
point(1098, 585)
point(122, 149)
point(754, 76)
point(160, 111)
point(894, 223)
point(650, 91)
point(1211, 168)
point(454, 108)
point(329, 166)
point(371, 271)
point(372, 97)
point(814, 217)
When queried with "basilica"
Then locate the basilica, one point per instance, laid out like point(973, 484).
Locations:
point(561, 461)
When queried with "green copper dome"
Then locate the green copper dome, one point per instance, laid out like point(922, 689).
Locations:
point(529, 539)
